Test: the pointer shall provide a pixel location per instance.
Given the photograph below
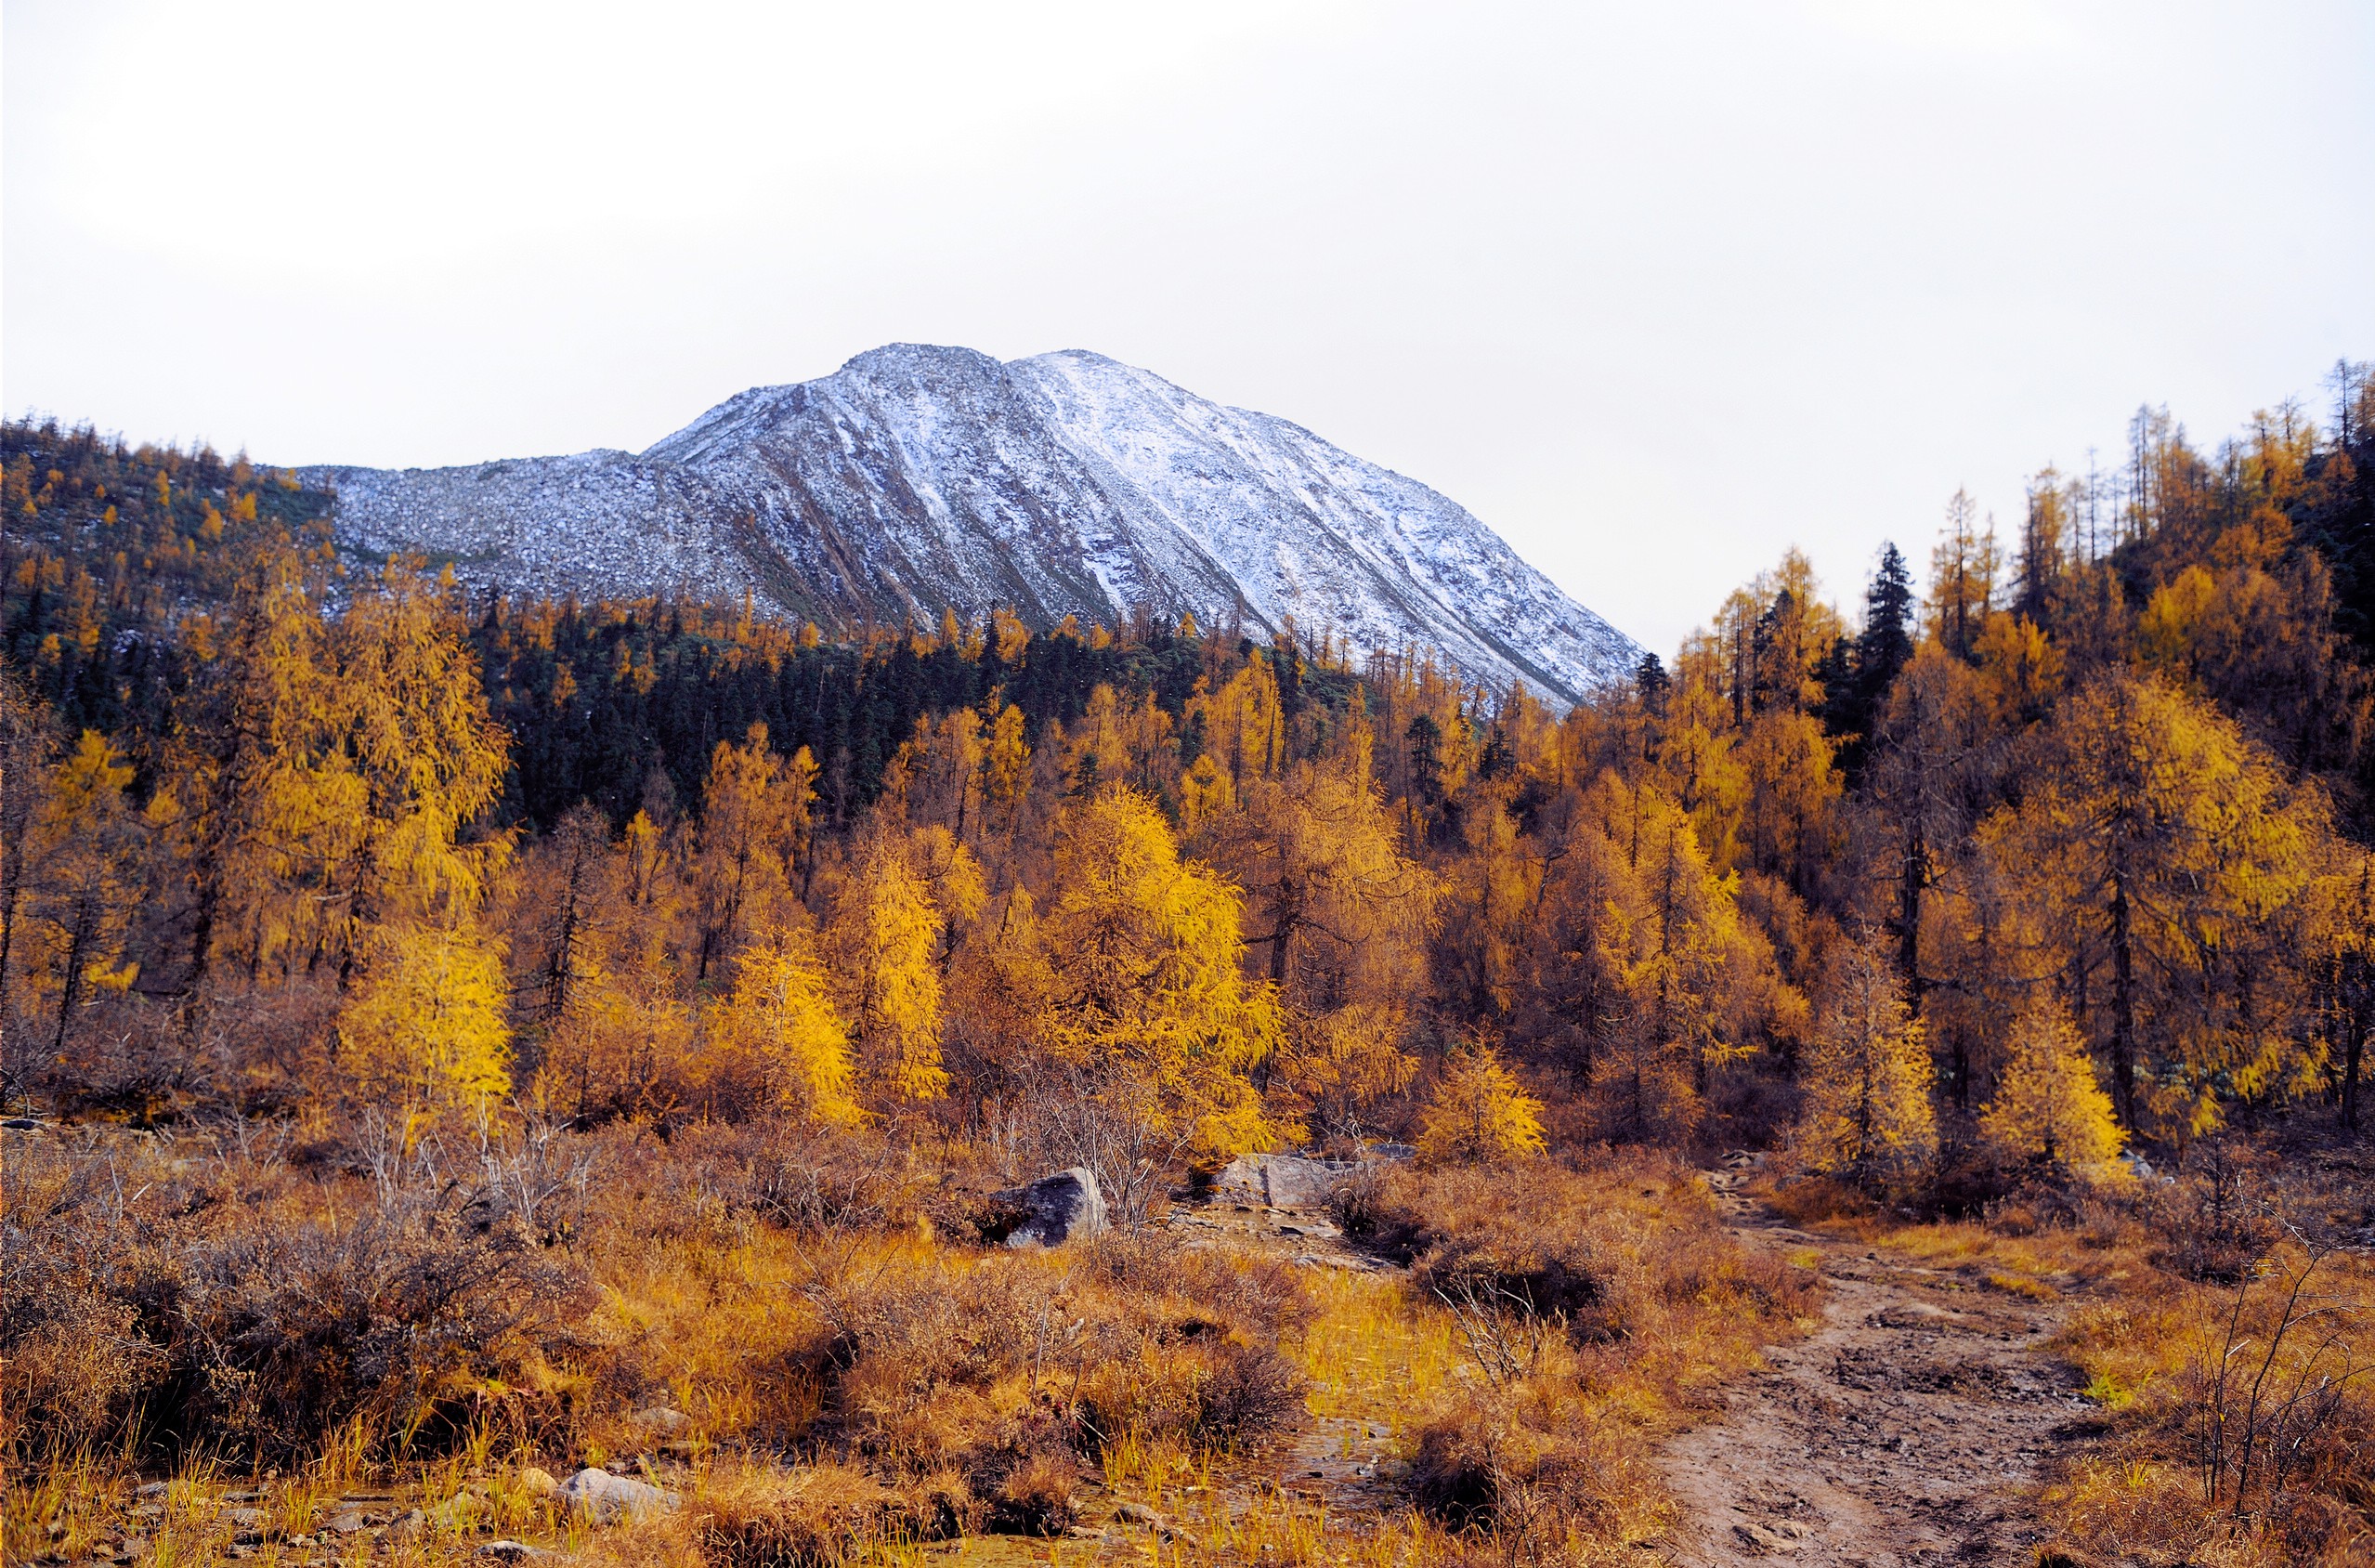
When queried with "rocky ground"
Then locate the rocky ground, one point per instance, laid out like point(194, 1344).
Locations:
point(1910, 1428)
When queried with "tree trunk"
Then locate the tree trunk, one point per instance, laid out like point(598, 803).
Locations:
point(2123, 1041)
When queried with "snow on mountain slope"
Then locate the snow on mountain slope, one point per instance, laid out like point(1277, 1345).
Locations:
point(916, 478)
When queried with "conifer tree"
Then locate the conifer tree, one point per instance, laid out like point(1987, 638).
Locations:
point(425, 1024)
point(781, 1013)
point(1145, 953)
point(755, 811)
point(1963, 576)
point(83, 859)
point(428, 756)
point(2166, 859)
point(1479, 1114)
point(886, 934)
point(1868, 1112)
point(2048, 1105)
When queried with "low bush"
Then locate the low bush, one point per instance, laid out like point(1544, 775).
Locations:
point(1611, 1250)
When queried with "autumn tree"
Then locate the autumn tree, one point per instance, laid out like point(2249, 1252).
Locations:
point(265, 801)
point(885, 935)
point(1928, 776)
point(84, 857)
point(1964, 571)
point(1145, 953)
point(780, 1020)
point(425, 1024)
point(1479, 1114)
point(755, 811)
point(1337, 915)
point(22, 743)
point(1868, 1113)
point(426, 755)
point(2165, 854)
point(2049, 1106)
point(1693, 986)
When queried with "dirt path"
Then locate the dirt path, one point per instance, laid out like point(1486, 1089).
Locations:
point(1908, 1428)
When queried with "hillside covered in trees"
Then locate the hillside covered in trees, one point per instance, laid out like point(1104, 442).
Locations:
point(2038, 893)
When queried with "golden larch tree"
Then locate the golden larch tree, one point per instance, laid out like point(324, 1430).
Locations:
point(425, 1023)
point(781, 1016)
point(1479, 1114)
point(884, 934)
point(2048, 1104)
point(1145, 950)
point(1868, 1112)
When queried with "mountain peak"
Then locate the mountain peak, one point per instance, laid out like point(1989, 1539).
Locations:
point(918, 478)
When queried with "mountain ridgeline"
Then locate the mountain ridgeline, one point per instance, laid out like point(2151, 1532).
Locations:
point(919, 481)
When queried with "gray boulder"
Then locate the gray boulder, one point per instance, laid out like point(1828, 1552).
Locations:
point(600, 1497)
point(1052, 1210)
point(1281, 1180)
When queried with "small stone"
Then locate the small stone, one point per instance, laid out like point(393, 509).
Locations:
point(411, 1522)
point(1782, 1536)
point(537, 1482)
point(346, 1523)
point(660, 1417)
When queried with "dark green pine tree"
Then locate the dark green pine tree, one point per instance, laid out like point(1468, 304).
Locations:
point(1856, 677)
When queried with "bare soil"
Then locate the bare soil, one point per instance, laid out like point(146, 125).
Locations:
point(1911, 1426)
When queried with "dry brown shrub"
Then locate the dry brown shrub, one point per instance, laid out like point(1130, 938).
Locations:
point(823, 1515)
point(1528, 1468)
point(1615, 1250)
point(1038, 1498)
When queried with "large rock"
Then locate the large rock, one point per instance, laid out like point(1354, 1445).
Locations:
point(1281, 1180)
point(600, 1497)
point(1052, 1210)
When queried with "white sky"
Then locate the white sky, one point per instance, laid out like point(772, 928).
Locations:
point(1654, 289)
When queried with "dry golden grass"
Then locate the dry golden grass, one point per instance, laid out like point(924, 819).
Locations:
point(827, 1379)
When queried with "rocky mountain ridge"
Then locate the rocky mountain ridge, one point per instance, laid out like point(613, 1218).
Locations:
point(918, 479)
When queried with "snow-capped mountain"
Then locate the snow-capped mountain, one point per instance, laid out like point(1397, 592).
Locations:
point(916, 478)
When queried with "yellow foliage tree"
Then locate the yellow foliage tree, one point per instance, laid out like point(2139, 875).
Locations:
point(1868, 1113)
point(1145, 955)
point(1342, 917)
point(263, 799)
point(425, 1023)
point(1006, 760)
point(1689, 984)
point(82, 862)
point(1479, 1114)
point(754, 820)
point(2049, 1104)
point(414, 725)
point(781, 1014)
point(885, 933)
point(2171, 867)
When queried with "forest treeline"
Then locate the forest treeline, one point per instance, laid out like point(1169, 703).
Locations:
point(2063, 849)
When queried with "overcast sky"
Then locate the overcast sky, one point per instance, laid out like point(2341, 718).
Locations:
point(1655, 290)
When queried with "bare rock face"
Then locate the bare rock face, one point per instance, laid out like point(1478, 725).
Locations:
point(1297, 1180)
point(1052, 1210)
point(1281, 1180)
point(919, 478)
